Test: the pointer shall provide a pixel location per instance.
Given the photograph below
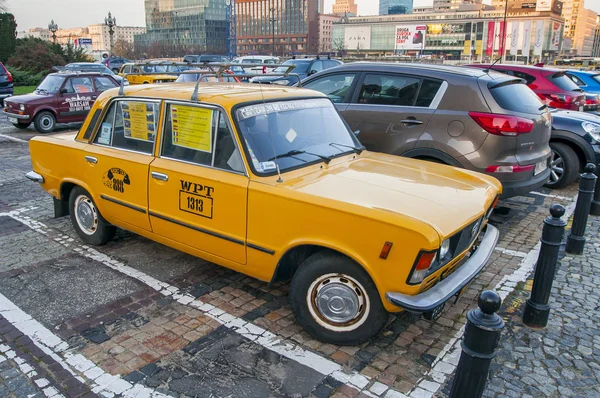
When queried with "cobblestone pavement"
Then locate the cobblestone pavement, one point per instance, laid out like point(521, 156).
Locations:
point(136, 318)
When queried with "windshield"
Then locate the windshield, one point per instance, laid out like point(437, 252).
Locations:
point(161, 68)
point(596, 78)
point(301, 66)
point(251, 61)
point(51, 84)
point(212, 58)
point(563, 81)
point(310, 128)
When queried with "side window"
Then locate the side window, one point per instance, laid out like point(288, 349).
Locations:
point(129, 125)
point(201, 136)
point(317, 66)
point(335, 87)
point(525, 76)
point(69, 87)
point(330, 64)
point(429, 89)
point(577, 80)
point(82, 85)
point(103, 84)
point(389, 90)
point(127, 69)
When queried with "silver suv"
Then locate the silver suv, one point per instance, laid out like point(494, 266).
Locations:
point(471, 118)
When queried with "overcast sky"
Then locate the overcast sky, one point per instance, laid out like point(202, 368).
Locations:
point(78, 13)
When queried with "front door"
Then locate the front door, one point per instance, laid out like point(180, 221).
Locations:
point(198, 187)
point(386, 110)
point(76, 99)
point(337, 86)
point(118, 159)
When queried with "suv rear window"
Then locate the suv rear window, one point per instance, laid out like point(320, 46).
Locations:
point(517, 97)
point(561, 80)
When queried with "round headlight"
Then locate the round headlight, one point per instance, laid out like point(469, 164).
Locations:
point(444, 249)
point(592, 129)
point(22, 107)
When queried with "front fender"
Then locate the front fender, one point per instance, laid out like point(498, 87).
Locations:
point(577, 140)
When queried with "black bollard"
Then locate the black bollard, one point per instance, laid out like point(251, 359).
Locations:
point(595, 208)
point(482, 335)
point(537, 309)
point(576, 240)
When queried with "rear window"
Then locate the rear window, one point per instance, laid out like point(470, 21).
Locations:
point(517, 97)
point(596, 78)
point(561, 80)
point(2, 69)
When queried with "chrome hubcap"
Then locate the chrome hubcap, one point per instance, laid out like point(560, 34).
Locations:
point(557, 167)
point(338, 302)
point(46, 122)
point(86, 215)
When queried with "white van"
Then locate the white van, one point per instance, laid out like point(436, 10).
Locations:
point(257, 59)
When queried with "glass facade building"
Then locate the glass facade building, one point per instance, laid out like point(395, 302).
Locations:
point(196, 26)
point(390, 7)
point(278, 27)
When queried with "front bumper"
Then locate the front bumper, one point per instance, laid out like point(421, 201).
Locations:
point(16, 115)
point(444, 290)
point(35, 177)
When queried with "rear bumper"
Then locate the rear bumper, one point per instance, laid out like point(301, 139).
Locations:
point(516, 188)
point(443, 291)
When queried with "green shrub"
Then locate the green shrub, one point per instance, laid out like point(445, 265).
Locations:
point(24, 77)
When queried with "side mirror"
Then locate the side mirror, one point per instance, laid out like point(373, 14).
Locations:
point(63, 91)
point(357, 133)
point(312, 72)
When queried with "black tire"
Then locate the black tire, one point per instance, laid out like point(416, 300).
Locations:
point(45, 122)
point(564, 167)
point(329, 270)
point(98, 231)
point(116, 70)
point(21, 125)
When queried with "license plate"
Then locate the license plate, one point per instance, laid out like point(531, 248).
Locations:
point(581, 109)
point(13, 120)
point(539, 167)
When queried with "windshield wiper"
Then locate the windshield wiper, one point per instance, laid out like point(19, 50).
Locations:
point(541, 108)
point(356, 150)
point(42, 90)
point(295, 152)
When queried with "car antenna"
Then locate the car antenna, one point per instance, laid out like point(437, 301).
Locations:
point(262, 94)
point(486, 70)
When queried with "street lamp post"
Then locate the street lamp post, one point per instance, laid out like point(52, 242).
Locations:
point(111, 22)
point(273, 20)
point(53, 27)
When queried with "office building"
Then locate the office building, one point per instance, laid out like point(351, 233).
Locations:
point(391, 7)
point(325, 31)
point(37, 33)
point(345, 7)
point(451, 5)
point(101, 38)
point(284, 28)
point(196, 26)
point(583, 41)
point(596, 45)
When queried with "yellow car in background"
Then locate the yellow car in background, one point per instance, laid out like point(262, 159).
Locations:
point(136, 74)
point(270, 182)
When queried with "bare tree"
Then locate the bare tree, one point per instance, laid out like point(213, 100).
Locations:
point(339, 45)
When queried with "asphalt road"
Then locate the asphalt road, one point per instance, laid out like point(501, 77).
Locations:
point(136, 318)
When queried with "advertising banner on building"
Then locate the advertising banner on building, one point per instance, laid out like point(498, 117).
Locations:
point(410, 37)
point(526, 38)
point(543, 5)
point(357, 38)
point(555, 38)
point(502, 38)
point(539, 38)
point(515, 42)
point(489, 45)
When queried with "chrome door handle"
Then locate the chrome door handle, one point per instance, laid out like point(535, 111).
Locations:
point(160, 176)
point(411, 121)
point(91, 159)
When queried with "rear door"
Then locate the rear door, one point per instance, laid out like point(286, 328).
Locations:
point(388, 112)
point(515, 98)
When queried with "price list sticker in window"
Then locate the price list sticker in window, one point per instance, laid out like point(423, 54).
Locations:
point(192, 127)
point(139, 120)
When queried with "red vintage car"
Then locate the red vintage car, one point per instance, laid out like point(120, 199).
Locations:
point(60, 98)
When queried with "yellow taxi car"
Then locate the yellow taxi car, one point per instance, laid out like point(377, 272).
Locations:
point(148, 73)
point(270, 182)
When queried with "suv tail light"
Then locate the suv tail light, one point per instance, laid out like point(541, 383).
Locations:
point(10, 78)
point(421, 267)
point(509, 169)
point(502, 124)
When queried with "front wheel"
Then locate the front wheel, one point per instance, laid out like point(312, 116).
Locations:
point(89, 224)
point(564, 166)
point(45, 122)
point(335, 300)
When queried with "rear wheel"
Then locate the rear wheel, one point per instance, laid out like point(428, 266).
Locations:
point(44, 122)
point(21, 126)
point(115, 70)
point(335, 300)
point(89, 224)
point(564, 166)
